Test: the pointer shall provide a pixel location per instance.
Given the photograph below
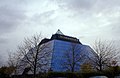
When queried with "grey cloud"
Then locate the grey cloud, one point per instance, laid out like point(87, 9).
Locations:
point(115, 29)
point(45, 18)
point(107, 4)
point(89, 6)
point(114, 25)
point(3, 40)
point(10, 17)
point(76, 5)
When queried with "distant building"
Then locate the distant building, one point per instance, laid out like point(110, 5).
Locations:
point(59, 44)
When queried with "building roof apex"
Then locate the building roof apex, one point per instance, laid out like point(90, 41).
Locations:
point(59, 32)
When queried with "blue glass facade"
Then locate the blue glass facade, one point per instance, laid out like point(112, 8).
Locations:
point(60, 48)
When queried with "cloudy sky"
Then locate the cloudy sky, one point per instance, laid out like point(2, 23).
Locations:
point(87, 20)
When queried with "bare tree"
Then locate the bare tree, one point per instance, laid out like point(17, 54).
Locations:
point(74, 57)
point(106, 54)
point(13, 60)
point(1, 61)
point(35, 55)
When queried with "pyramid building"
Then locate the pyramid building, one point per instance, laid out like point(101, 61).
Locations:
point(65, 50)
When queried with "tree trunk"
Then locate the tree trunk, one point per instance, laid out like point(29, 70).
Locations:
point(34, 75)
